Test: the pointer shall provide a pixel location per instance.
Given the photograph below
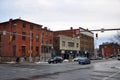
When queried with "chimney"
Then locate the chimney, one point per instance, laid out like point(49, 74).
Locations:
point(45, 28)
point(71, 28)
point(10, 19)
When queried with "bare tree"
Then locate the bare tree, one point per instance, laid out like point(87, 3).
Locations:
point(117, 37)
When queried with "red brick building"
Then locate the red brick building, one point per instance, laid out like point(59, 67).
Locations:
point(23, 39)
point(108, 50)
point(86, 41)
point(71, 32)
point(15, 40)
point(47, 44)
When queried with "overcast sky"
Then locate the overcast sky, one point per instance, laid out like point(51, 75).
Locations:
point(63, 14)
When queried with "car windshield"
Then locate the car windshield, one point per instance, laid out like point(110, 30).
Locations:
point(77, 57)
point(58, 57)
point(82, 58)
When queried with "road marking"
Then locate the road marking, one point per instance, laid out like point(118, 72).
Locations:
point(110, 76)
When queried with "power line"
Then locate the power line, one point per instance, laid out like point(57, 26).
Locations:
point(102, 29)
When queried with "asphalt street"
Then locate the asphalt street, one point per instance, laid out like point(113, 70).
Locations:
point(97, 70)
point(34, 71)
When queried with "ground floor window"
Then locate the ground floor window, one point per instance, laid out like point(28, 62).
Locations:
point(23, 50)
point(14, 50)
point(37, 51)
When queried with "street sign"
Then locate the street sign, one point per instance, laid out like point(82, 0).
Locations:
point(30, 51)
point(4, 32)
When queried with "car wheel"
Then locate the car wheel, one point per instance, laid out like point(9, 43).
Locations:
point(82, 63)
point(89, 62)
point(79, 62)
point(56, 62)
point(60, 61)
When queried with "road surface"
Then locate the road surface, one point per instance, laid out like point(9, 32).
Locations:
point(97, 70)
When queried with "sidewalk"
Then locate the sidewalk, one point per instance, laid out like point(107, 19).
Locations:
point(108, 65)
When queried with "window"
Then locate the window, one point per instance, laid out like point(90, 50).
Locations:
point(14, 50)
point(14, 24)
point(37, 37)
point(31, 27)
point(23, 36)
point(43, 32)
point(63, 43)
point(24, 25)
point(37, 28)
point(0, 37)
point(46, 41)
point(70, 44)
point(23, 50)
point(37, 51)
point(50, 41)
point(77, 45)
point(14, 35)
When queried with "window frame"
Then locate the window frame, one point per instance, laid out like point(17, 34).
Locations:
point(24, 36)
point(24, 25)
point(71, 44)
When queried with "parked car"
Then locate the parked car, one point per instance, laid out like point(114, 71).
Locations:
point(84, 60)
point(76, 58)
point(118, 56)
point(56, 59)
point(65, 60)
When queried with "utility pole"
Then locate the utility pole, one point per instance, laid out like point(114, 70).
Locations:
point(40, 45)
point(30, 57)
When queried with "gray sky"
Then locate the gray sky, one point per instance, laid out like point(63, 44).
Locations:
point(62, 14)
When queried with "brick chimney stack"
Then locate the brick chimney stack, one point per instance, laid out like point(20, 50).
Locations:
point(71, 28)
point(45, 28)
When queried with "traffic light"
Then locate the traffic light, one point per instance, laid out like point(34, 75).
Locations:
point(96, 35)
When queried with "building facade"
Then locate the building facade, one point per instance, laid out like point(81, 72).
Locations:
point(86, 39)
point(20, 38)
point(29, 41)
point(47, 44)
point(67, 47)
point(108, 50)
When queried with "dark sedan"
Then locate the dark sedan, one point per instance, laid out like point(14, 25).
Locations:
point(55, 60)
